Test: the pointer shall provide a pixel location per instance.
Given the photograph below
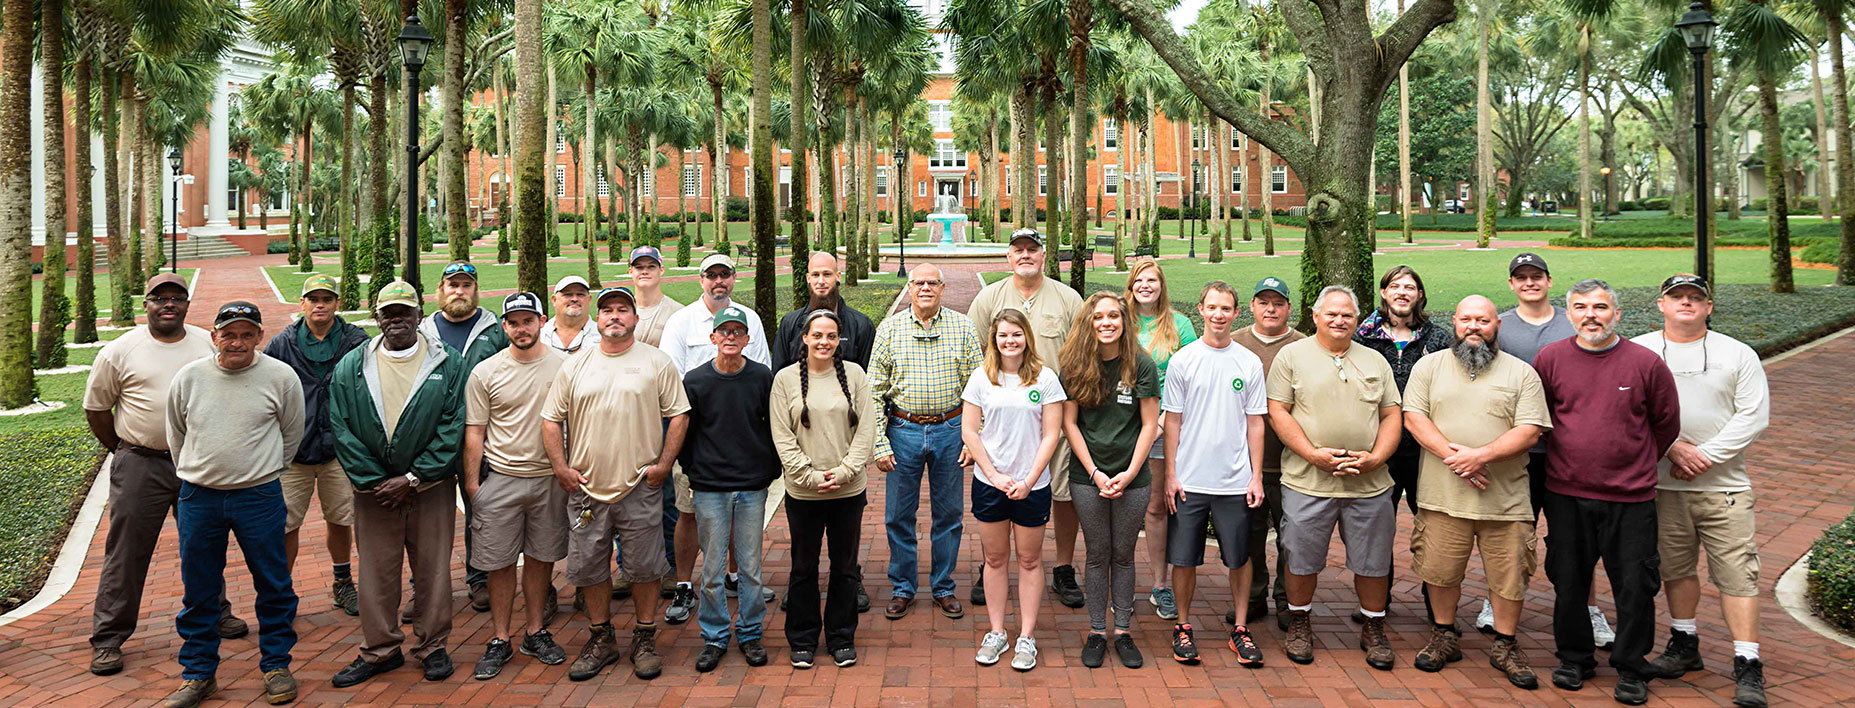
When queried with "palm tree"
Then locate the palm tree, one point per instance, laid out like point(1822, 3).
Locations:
point(576, 38)
point(83, 64)
point(1485, 13)
point(531, 227)
point(1758, 36)
point(54, 309)
point(1834, 16)
point(764, 218)
point(16, 30)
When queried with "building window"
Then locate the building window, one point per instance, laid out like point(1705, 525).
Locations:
point(946, 155)
point(1043, 178)
point(1278, 179)
point(560, 181)
point(1110, 135)
point(1197, 137)
point(940, 115)
point(921, 188)
point(605, 189)
point(1236, 140)
point(692, 180)
point(1236, 180)
point(882, 181)
point(1007, 180)
point(1110, 180)
point(647, 186)
point(560, 142)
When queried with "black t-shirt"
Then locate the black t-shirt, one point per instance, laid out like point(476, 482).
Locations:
point(456, 335)
point(730, 443)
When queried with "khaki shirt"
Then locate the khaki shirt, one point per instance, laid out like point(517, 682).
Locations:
point(506, 396)
point(651, 321)
point(619, 401)
point(131, 376)
point(399, 378)
point(1050, 310)
point(1333, 413)
point(1474, 411)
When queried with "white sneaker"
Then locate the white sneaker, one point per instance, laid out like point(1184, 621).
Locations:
point(990, 648)
point(1024, 656)
point(1484, 622)
point(1601, 632)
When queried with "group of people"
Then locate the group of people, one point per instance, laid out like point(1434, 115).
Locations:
point(1111, 416)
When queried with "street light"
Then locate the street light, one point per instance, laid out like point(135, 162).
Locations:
point(1188, 218)
point(1697, 28)
point(414, 42)
point(901, 238)
point(1605, 171)
point(173, 257)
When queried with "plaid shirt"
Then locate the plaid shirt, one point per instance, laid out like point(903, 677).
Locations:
point(921, 368)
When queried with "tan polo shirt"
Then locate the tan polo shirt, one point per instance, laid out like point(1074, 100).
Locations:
point(651, 321)
point(399, 378)
point(506, 396)
point(1473, 411)
point(131, 376)
point(1333, 412)
point(619, 401)
point(1051, 310)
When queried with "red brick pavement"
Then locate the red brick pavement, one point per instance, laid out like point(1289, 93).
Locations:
point(1805, 469)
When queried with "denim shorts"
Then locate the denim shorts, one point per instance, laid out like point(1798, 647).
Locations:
point(991, 506)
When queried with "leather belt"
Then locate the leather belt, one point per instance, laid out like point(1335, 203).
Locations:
point(930, 419)
point(148, 452)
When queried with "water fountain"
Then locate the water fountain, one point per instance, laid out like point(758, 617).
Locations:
point(949, 223)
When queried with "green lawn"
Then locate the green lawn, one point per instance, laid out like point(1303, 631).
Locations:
point(102, 289)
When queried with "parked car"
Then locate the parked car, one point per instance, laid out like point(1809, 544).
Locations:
point(1455, 206)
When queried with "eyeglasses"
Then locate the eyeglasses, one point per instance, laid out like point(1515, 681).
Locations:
point(1339, 365)
point(732, 333)
point(716, 275)
point(167, 300)
point(460, 269)
point(927, 283)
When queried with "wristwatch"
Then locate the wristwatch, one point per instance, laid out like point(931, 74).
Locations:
point(413, 479)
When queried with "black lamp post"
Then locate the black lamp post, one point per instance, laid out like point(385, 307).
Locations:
point(1697, 28)
point(901, 236)
point(173, 252)
point(414, 42)
point(1194, 207)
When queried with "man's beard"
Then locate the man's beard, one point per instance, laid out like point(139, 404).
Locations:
point(1597, 339)
point(458, 308)
point(827, 301)
point(1476, 358)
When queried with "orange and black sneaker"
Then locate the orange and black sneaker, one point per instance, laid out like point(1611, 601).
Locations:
point(1184, 650)
point(1249, 655)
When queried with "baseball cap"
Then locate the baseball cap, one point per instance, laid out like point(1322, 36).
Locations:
point(1687, 280)
point(1026, 233)
point(463, 268)
point(166, 279)
point(398, 292)
point(521, 302)
point(728, 314)
point(320, 281)
point(571, 280)
point(603, 294)
point(716, 259)
point(1271, 284)
point(237, 311)
point(650, 252)
point(1527, 259)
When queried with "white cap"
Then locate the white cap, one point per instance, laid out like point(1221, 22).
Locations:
point(571, 280)
point(716, 259)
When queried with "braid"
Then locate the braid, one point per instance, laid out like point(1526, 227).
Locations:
point(844, 384)
point(805, 396)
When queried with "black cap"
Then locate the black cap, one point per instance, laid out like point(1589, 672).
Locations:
point(1687, 280)
point(521, 302)
point(1527, 259)
point(237, 311)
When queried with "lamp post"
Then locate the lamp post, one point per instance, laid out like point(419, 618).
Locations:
point(1194, 207)
point(414, 41)
point(173, 252)
point(1697, 28)
point(1605, 171)
point(901, 237)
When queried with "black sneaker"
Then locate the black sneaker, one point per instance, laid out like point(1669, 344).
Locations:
point(1094, 650)
point(1184, 649)
point(802, 659)
point(1749, 677)
point(1063, 581)
point(1249, 655)
point(437, 665)
point(710, 657)
point(1681, 656)
point(845, 657)
point(754, 652)
point(541, 646)
point(358, 672)
point(1631, 690)
point(863, 600)
point(682, 605)
point(731, 585)
point(978, 595)
point(494, 656)
point(346, 598)
point(1129, 652)
point(1571, 677)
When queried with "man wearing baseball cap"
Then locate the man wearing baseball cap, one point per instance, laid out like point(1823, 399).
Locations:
point(654, 308)
point(1703, 498)
point(569, 330)
point(1271, 307)
point(311, 346)
point(623, 390)
point(516, 508)
point(234, 422)
point(125, 404)
point(397, 405)
point(470, 330)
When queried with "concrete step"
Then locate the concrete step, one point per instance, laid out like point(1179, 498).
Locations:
point(195, 247)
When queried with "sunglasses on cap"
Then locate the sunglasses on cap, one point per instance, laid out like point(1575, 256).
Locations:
point(460, 269)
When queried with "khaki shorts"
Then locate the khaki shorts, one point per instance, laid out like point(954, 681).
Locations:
point(517, 516)
point(1059, 472)
point(1720, 523)
point(1440, 547)
point(636, 521)
point(685, 499)
point(327, 481)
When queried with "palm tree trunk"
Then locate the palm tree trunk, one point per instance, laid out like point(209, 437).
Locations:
point(86, 265)
point(870, 238)
point(379, 180)
point(550, 160)
point(1404, 132)
point(1778, 220)
point(1845, 164)
point(993, 225)
point(682, 210)
point(800, 100)
point(346, 229)
point(853, 211)
point(1265, 173)
point(1584, 130)
point(127, 155)
point(151, 199)
point(54, 310)
point(1053, 182)
point(1123, 146)
point(589, 180)
point(1484, 127)
point(532, 88)
point(16, 382)
point(1024, 158)
point(1220, 151)
point(122, 313)
point(718, 204)
point(451, 171)
point(1150, 217)
point(765, 215)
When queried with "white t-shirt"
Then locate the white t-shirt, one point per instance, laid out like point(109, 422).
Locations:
point(1215, 390)
point(1013, 416)
point(686, 337)
point(1725, 405)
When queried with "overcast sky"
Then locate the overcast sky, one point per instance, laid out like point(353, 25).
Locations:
point(1185, 13)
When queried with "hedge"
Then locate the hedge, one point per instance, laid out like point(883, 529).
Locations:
point(316, 245)
point(1832, 575)
point(1821, 252)
point(48, 473)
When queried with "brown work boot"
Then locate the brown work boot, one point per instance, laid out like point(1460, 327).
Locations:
point(279, 687)
point(105, 661)
point(1507, 657)
point(645, 663)
point(192, 692)
point(1377, 646)
point(601, 650)
point(1444, 647)
point(1300, 641)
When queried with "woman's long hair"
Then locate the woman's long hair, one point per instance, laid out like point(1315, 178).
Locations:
point(1027, 371)
point(1081, 356)
point(1165, 332)
point(805, 372)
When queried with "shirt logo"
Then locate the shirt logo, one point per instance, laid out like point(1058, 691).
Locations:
point(1623, 388)
point(1236, 384)
point(1036, 396)
point(435, 377)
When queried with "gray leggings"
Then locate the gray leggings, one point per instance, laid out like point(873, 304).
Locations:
point(1110, 531)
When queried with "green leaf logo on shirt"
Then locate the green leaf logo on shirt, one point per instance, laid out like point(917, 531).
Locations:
point(1036, 396)
point(1236, 384)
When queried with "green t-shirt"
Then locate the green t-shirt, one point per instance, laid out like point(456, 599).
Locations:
point(1187, 335)
point(1112, 428)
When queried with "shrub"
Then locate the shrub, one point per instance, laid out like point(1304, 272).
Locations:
point(1832, 575)
point(1821, 252)
point(1655, 203)
point(47, 474)
point(320, 243)
point(736, 209)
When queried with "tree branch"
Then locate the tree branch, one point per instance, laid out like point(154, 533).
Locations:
point(1304, 21)
point(425, 153)
point(1400, 40)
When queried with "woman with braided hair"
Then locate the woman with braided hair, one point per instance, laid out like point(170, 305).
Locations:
point(824, 428)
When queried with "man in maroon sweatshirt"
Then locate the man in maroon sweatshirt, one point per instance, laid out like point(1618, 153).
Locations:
point(1615, 413)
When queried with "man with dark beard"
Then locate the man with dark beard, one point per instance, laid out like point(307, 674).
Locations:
point(1475, 410)
point(475, 334)
point(858, 335)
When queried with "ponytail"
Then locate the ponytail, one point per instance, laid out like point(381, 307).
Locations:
point(844, 383)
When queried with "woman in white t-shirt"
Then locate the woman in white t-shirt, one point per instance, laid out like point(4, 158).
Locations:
point(1010, 422)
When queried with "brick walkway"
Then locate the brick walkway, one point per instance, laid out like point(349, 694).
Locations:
point(1805, 469)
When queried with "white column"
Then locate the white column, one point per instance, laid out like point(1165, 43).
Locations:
point(219, 145)
point(38, 158)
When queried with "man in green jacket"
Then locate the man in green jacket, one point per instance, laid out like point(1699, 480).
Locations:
point(476, 334)
point(397, 405)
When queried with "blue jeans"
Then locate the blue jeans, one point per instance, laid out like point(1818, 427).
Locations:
point(206, 517)
point(933, 448)
point(729, 522)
